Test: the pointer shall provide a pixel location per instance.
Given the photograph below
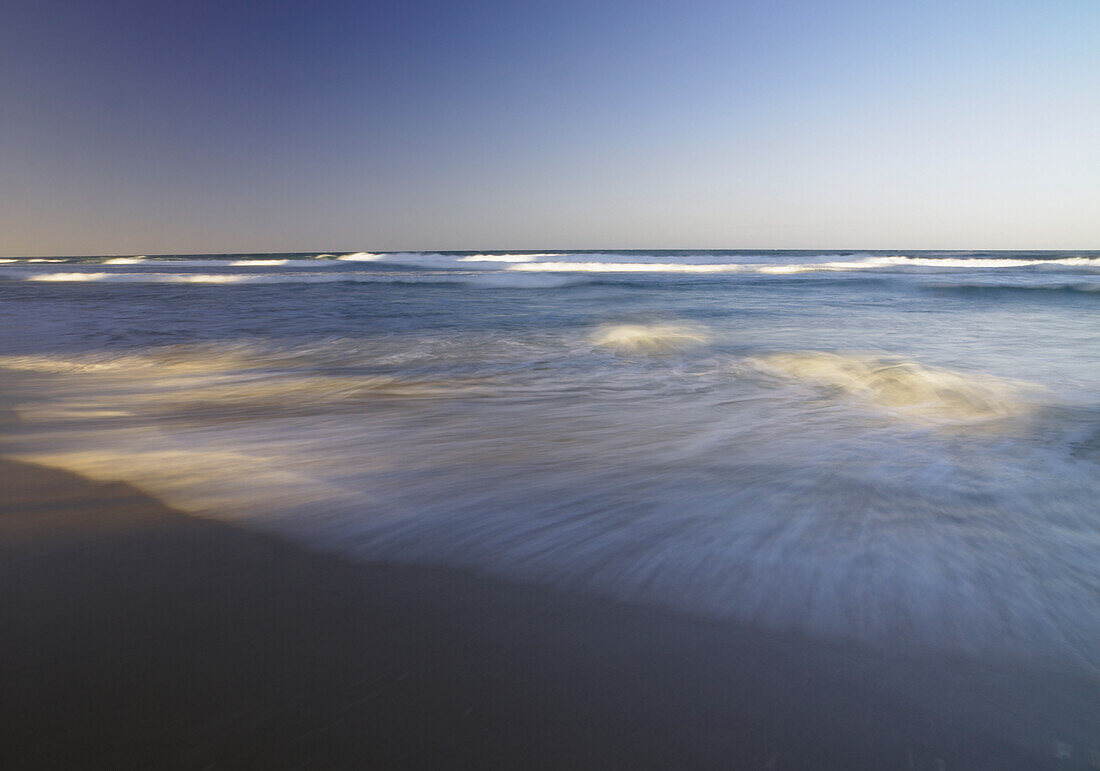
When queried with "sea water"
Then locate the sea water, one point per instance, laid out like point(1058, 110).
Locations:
point(897, 448)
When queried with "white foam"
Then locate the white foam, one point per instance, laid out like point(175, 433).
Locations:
point(506, 257)
point(626, 267)
point(906, 387)
point(474, 280)
point(69, 277)
point(648, 338)
point(429, 260)
point(983, 262)
point(143, 278)
point(902, 261)
point(536, 262)
point(439, 261)
point(867, 263)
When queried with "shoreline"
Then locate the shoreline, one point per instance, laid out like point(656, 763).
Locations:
point(133, 636)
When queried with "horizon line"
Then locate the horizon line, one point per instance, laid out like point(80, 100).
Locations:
point(339, 252)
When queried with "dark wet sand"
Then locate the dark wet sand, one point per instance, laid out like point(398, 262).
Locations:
point(134, 636)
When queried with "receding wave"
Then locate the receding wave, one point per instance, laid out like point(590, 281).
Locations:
point(215, 379)
point(907, 387)
point(648, 338)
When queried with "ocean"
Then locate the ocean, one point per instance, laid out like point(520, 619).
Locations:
point(896, 448)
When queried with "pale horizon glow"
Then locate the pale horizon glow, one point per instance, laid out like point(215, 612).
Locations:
point(192, 128)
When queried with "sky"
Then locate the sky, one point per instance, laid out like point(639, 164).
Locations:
point(229, 126)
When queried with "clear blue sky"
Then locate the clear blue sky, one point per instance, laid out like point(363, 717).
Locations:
point(147, 127)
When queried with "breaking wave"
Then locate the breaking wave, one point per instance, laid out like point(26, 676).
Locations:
point(126, 260)
point(628, 267)
point(472, 280)
point(832, 266)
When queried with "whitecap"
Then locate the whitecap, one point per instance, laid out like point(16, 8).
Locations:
point(511, 258)
point(69, 277)
point(626, 267)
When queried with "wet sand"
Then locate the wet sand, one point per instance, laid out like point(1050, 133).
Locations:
point(135, 636)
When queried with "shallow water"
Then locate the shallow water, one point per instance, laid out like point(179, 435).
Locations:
point(898, 449)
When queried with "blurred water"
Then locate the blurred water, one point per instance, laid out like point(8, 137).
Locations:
point(900, 449)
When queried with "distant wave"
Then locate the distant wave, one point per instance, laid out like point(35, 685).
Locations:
point(702, 264)
point(902, 261)
point(627, 267)
point(241, 263)
point(443, 261)
point(126, 260)
point(867, 263)
point(8, 260)
point(478, 281)
point(506, 257)
point(144, 278)
point(987, 262)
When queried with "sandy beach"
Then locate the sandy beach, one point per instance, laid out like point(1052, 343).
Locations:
point(135, 636)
